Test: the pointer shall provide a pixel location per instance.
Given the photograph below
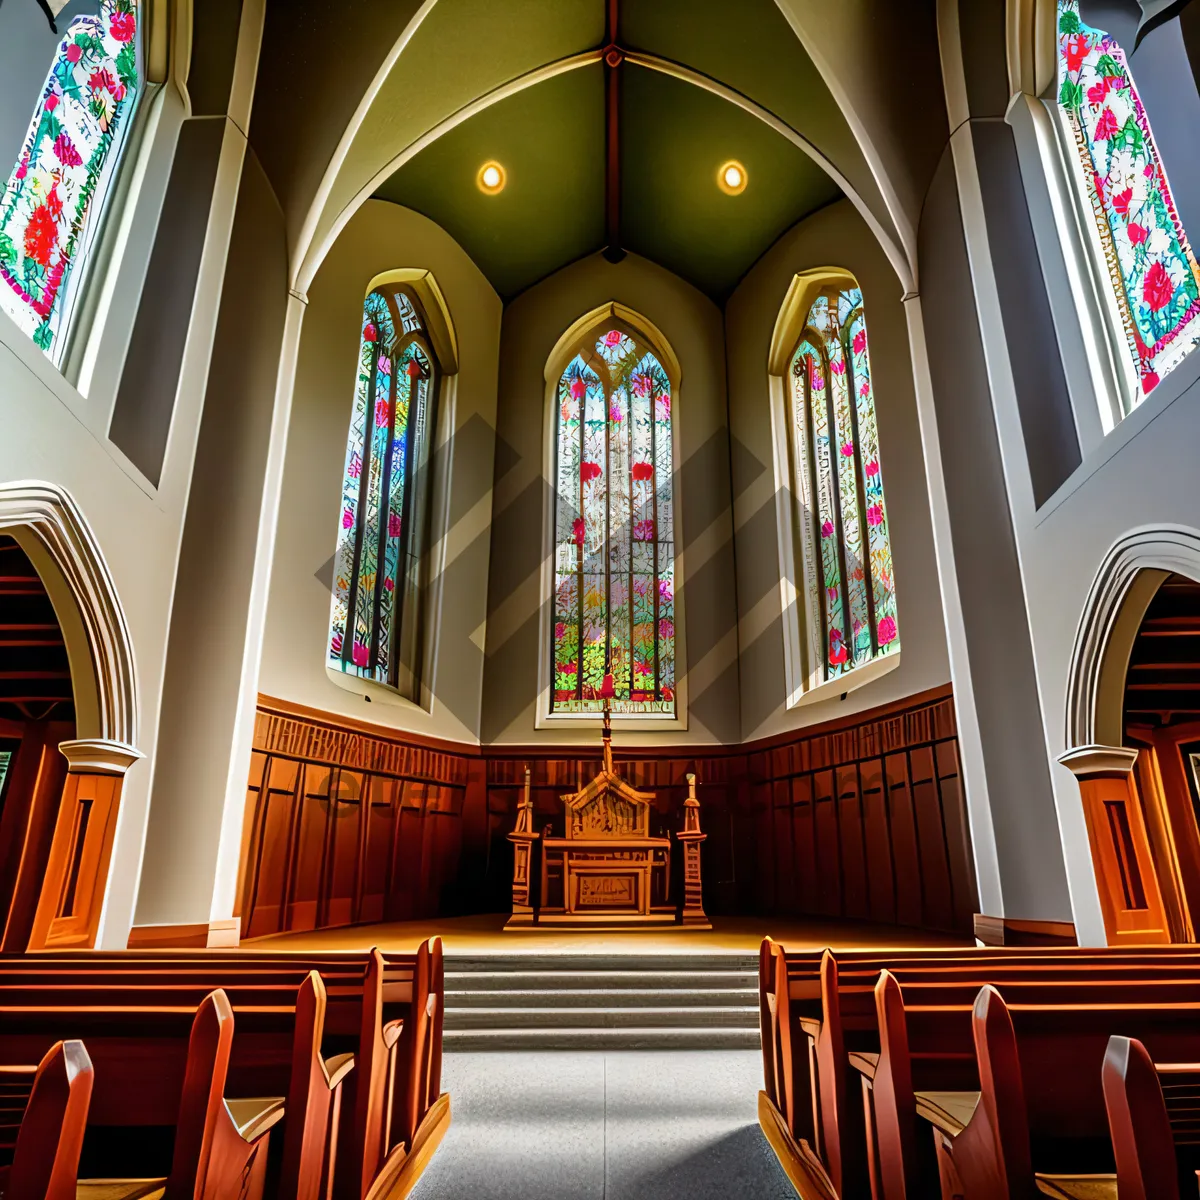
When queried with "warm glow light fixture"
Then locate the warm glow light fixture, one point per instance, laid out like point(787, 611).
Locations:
point(491, 178)
point(731, 178)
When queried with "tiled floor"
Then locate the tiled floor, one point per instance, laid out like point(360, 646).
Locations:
point(618, 1126)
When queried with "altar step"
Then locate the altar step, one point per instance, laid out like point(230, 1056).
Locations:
point(601, 1002)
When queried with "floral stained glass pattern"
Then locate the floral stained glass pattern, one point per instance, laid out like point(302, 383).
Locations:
point(383, 505)
point(50, 205)
point(849, 597)
point(614, 554)
point(1153, 271)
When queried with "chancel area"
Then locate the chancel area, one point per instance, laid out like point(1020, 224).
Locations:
point(599, 598)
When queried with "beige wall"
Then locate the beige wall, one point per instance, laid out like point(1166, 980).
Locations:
point(383, 237)
point(834, 237)
point(691, 323)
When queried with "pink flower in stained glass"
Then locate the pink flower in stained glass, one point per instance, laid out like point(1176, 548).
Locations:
point(668, 693)
point(65, 152)
point(393, 524)
point(359, 654)
point(119, 92)
point(123, 26)
point(664, 590)
point(23, 168)
point(831, 592)
point(347, 517)
point(848, 449)
point(872, 468)
point(1106, 127)
point(875, 514)
point(643, 531)
point(643, 669)
point(643, 470)
point(560, 631)
point(837, 648)
point(1098, 92)
point(1150, 380)
point(413, 368)
point(606, 688)
point(54, 203)
point(615, 413)
point(612, 337)
point(641, 385)
point(664, 407)
point(818, 380)
point(74, 52)
point(384, 364)
point(389, 584)
point(1158, 289)
point(568, 668)
point(589, 471)
point(354, 470)
point(838, 367)
point(102, 80)
point(887, 630)
point(1121, 202)
point(335, 643)
point(1149, 171)
point(666, 629)
point(51, 102)
point(578, 388)
point(40, 235)
point(579, 531)
point(865, 390)
point(1137, 233)
point(827, 529)
point(860, 341)
point(370, 333)
point(381, 413)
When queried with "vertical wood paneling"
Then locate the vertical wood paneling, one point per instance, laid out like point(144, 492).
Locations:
point(905, 854)
point(851, 837)
point(938, 906)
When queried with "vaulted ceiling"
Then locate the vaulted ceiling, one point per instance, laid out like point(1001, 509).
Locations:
point(405, 100)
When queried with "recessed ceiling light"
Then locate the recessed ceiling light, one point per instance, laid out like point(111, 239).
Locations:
point(731, 178)
point(491, 178)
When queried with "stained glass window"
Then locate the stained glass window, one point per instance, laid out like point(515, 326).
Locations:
point(614, 553)
point(50, 205)
point(384, 514)
point(849, 596)
point(1150, 261)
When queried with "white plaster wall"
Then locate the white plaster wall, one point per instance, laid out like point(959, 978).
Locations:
point(381, 237)
point(836, 236)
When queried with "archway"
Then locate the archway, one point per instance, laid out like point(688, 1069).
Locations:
point(1133, 705)
point(67, 689)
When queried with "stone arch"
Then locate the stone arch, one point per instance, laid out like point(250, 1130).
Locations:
point(47, 523)
point(1125, 583)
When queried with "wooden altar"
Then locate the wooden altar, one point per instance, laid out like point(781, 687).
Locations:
point(607, 870)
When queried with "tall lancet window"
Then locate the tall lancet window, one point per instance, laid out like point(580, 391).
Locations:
point(375, 621)
point(614, 554)
point(51, 204)
point(849, 596)
point(1150, 263)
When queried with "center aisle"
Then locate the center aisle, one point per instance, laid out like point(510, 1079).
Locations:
point(629, 1125)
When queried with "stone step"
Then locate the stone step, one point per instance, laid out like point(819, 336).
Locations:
point(733, 960)
point(468, 981)
point(632, 1038)
point(732, 1017)
point(505, 998)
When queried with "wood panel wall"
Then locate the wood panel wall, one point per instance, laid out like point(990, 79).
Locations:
point(865, 817)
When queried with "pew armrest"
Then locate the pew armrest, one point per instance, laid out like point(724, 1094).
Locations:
point(254, 1117)
point(1078, 1187)
point(120, 1189)
point(949, 1112)
point(811, 1026)
point(865, 1063)
point(392, 1031)
point(338, 1067)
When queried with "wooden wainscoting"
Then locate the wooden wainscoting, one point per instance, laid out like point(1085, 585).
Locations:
point(864, 817)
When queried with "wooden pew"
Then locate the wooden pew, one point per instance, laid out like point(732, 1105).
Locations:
point(46, 1157)
point(815, 1009)
point(386, 1009)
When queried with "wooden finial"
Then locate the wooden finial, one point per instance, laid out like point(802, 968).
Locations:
point(608, 763)
point(527, 801)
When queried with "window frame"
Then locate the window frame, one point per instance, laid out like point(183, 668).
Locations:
point(576, 339)
point(803, 661)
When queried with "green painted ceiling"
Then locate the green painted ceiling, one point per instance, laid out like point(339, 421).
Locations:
point(674, 135)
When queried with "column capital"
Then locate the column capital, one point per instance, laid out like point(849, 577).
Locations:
point(1086, 761)
point(99, 756)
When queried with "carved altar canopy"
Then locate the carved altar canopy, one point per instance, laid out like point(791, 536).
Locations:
point(606, 869)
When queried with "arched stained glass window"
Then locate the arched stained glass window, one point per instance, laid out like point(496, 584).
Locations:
point(374, 624)
point(1150, 262)
point(614, 554)
point(52, 201)
point(849, 595)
